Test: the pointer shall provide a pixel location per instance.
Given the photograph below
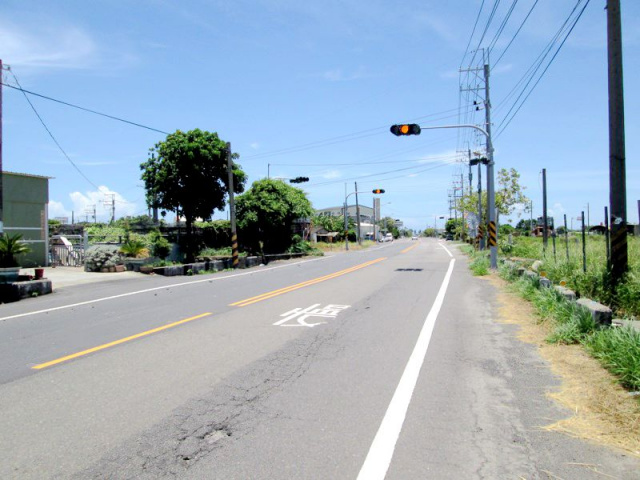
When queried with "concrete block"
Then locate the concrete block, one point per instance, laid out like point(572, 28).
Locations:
point(520, 271)
point(566, 293)
point(618, 322)
point(601, 314)
point(545, 282)
point(536, 265)
point(530, 274)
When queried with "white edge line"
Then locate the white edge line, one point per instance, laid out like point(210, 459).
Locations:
point(378, 459)
point(446, 249)
point(62, 307)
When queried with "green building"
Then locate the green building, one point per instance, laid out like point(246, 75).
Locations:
point(25, 210)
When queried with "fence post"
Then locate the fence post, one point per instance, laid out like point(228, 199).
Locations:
point(584, 246)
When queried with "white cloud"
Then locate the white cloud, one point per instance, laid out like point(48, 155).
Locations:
point(83, 202)
point(254, 145)
point(46, 47)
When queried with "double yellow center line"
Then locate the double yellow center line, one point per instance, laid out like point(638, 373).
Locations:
point(274, 293)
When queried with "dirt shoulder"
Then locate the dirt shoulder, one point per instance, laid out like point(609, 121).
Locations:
point(605, 413)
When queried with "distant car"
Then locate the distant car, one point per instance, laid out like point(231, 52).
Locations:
point(415, 237)
point(388, 237)
point(449, 236)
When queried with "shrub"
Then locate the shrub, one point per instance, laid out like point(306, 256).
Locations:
point(133, 248)
point(100, 256)
point(160, 246)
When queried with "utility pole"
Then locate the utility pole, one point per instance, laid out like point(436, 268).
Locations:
point(111, 204)
point(545, 223)
point(1, 174)
point(232, 210)
point(491, 200)
point(617, 170)
point(359, 240)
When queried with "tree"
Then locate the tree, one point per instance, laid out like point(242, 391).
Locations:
point(187, 173)
point(508, 194)
point(266, 213)
point(388, 225)
point(331, 224)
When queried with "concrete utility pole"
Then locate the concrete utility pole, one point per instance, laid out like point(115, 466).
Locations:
point(545, 223)
point(1, 174)
point(617, 170)
point(232, 210)
point(491, 199)
point(358, 234)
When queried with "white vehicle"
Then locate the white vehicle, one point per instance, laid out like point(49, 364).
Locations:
point(388, 238)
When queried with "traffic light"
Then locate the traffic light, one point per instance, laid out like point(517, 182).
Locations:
point(405, 129)
point(299, 180)
point(377, 190)
point(476, 161)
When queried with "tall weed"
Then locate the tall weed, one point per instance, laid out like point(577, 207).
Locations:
point(618, 350)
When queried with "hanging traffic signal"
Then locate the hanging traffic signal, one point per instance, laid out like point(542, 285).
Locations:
point(377, 190)
point(299, 180)
point(405, 129)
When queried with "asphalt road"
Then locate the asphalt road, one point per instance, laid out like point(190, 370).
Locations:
point(385, 363)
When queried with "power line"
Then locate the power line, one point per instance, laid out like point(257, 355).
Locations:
point(466, 50)
point(341, 138)
point(81, 108)
point(563, 28)
point(515, 34)
point(51, 134)
point(502, 25)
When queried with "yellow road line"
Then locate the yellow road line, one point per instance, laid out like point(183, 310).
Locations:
point(117, 342)
point(409, 248)
point(274, 293)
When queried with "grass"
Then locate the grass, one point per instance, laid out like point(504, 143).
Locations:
point(596, 282)
point(617, 349)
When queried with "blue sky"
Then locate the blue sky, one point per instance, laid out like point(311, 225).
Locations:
point(310, 89)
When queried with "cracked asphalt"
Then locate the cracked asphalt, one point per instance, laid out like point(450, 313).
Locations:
point(234, 396)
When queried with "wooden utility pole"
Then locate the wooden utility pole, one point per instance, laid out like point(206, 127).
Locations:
point(617, 170)
point(545, 222)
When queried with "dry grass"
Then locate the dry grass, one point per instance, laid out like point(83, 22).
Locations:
point(603, 411)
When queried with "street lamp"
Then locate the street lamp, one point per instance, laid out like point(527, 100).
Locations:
point(375, 191)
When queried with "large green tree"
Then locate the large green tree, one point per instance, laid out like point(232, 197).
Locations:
point(509, 193)
point(187, 173)
point(266, 213)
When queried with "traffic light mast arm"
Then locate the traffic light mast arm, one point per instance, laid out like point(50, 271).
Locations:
point(480, 129)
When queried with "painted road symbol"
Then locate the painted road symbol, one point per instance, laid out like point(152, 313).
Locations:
point(300, 315)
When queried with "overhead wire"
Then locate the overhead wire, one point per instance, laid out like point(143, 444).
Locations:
point(515, 34)
point(51, 134)
point(496, 37)
point(539, 62)
point(19, 87)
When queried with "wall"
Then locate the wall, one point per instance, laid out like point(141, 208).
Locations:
point(25, 199)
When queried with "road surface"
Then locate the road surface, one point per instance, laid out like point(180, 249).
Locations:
point(383, 363)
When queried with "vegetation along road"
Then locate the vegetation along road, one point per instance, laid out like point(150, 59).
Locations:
point(390, 362)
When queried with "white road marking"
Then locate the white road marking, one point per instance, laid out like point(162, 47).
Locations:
point(301, 315)
point(378, 459)
point(113, 297)
point(446, 249)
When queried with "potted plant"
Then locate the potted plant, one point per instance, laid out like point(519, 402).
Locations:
point(136, 253)
point(10, 246)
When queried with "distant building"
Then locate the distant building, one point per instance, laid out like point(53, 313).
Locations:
point(25, 200)
point(366, 217)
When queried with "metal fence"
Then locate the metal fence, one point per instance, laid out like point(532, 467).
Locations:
point(66, 251)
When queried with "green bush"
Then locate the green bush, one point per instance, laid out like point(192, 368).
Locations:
point(100, 256)
point(618, 350)
point(133, 248)
point(160, 246)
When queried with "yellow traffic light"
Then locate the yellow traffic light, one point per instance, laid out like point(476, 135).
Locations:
point(405, 129)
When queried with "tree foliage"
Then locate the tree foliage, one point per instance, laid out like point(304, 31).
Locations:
point(509, 193)
point(187, 173)
point(388, 225)
point(266, 212)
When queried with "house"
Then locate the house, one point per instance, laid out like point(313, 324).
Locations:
point(366, 217)
point(25, 200)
